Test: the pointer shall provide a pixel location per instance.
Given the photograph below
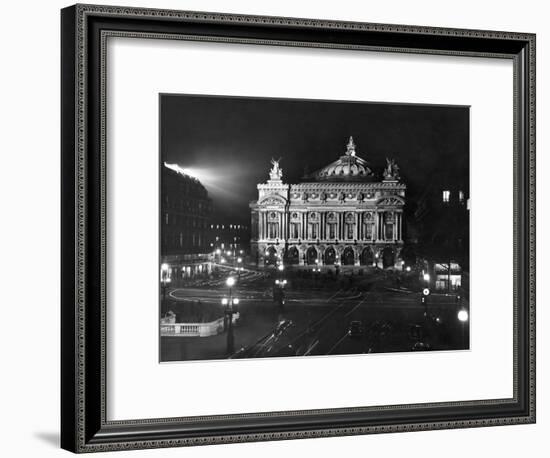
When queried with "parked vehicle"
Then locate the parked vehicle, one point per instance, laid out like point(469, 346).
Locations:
point(355, 329)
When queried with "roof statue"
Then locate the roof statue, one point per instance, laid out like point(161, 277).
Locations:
point(276, 172)
point(350, 147)
point(391, 171)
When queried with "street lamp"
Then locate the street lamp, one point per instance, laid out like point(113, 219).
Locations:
point(239, 268)
point(165, 281)
point(228, 312)
point(463, 317)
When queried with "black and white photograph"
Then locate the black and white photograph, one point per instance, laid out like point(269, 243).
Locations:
point(302, 228)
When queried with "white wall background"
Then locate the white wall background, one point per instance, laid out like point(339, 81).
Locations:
point(29, 228)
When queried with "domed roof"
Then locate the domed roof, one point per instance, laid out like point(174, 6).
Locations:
point(349, 167)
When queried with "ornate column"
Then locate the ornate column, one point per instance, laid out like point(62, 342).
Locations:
point(259, 225)
point(400, 226)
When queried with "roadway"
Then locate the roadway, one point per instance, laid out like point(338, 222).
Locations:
point(316, 322)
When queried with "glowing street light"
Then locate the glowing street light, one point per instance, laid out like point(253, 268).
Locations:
point(408, 268)
point(426, 277)
point(165, 281)
point(228, 315)
point(462, 315)
point(281, 267)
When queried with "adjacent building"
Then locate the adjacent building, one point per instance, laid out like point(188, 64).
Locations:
point(186, 212)
point(229, 237)
point(341, 214)
point(442, 221)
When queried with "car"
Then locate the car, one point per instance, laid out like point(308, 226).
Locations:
point(421, 346)
point(355, 329)
point(282, 327)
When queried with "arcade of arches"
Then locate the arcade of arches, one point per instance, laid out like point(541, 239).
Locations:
point(320, 255)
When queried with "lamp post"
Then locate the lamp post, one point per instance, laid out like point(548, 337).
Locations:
point(463, 317)
point(424, 300)
point(164, 281)
point(280, 283)
point(239, 268)
point(228, 315)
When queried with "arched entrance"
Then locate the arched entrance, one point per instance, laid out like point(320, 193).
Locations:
point(348, 257)
point(330, 256)
point(293, 256)
point(270, 256)
point(388, 257)
point(367, 258)
point(311, 255)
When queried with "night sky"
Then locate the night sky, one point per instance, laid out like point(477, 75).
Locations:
point(228, 142)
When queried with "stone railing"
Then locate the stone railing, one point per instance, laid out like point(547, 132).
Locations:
point(194, 329)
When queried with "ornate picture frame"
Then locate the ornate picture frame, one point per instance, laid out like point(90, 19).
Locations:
point(84, 424)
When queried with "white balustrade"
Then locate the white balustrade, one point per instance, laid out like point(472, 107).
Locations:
point(194, 329)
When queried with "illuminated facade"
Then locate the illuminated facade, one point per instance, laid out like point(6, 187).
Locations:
point(186, 211)
point(338, 215)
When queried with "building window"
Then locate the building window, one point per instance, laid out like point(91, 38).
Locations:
point(389, 232)
point(446, 195)
point(368, 231)
point(461, 196)
point(313, 230)
point(273, 229)
point(295, 230)
point(349, 231)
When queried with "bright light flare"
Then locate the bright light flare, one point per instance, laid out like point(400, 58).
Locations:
point(462, 315)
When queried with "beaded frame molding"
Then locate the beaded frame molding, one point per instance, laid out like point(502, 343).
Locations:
point(85, 30)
